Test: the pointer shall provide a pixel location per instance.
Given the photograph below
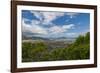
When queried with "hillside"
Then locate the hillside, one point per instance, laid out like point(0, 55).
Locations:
point(47, 51)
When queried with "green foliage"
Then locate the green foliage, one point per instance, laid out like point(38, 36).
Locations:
point(87, 38)
point(79, 40)
point(38, 51)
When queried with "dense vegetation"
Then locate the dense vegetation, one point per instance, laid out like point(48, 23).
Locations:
point(38, 51)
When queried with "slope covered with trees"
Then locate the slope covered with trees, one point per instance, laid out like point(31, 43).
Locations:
point(38, 51)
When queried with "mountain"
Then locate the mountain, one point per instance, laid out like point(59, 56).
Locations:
point(33, 38)
point(46, 38)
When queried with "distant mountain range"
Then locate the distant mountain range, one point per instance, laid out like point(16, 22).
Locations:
point(33, 38)
point(44, 38)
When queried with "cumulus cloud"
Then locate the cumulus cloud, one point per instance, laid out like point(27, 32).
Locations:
point(47, 17)
point(56, 29)
point(37, 29)
point(71, 14)
point(61, 29)
point(71, 34)
point(35, 22)
point(25, 27)
point(37, 14)
point(33, 28)
point(68, 26)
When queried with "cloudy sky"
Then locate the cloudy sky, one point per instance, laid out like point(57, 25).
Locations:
point(54, 24)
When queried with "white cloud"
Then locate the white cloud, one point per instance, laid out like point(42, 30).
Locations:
point(68, 26)
point(71, 34)
point(71, 14)
point(37, 14)
point(56, 29)
point(33, 27)
point(61, 29)
point(37, 29)
point(35, 22)
point(25, 27)
point(47, 17)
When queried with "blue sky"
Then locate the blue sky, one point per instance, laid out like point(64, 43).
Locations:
point(54, 24)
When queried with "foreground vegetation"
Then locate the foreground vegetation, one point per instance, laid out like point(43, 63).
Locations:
point(38, 51)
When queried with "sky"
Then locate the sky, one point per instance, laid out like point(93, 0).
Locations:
point(54, 24)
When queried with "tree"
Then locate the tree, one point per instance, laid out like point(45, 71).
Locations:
point(87, 38)
point(79, 40)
